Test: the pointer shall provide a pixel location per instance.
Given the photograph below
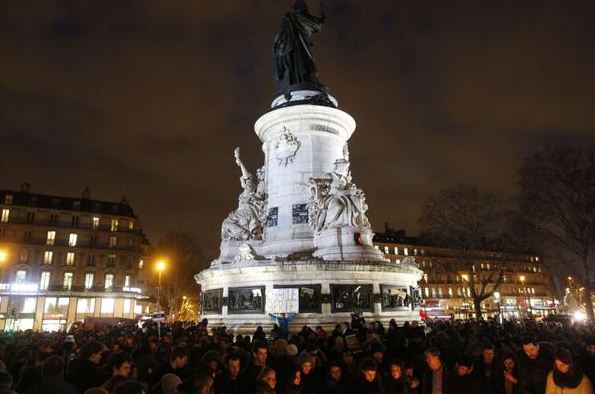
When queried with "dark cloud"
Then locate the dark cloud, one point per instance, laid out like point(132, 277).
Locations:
point(148, 98)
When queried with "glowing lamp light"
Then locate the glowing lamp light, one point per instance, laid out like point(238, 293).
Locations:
point(579, 316)
point(497, 295)
point(160, 266)
point(3, 255)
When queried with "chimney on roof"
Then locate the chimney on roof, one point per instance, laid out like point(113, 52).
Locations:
point(25, 187)
point(124, 201)
point(86, 193)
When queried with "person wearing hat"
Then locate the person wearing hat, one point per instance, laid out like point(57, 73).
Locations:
point(567, 377)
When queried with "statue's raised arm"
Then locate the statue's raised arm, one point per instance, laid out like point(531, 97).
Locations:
point(245, 173)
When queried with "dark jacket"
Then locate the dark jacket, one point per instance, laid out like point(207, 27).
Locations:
point(466, 384)
point(533, 373)
point(362, 386)
point(84, 374)
point(52, 385)
point(426, 381)
point(225, 384)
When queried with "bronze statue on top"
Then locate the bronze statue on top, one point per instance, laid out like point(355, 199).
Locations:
point(292, 49)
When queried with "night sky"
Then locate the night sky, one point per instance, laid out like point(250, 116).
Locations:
point(148, 98)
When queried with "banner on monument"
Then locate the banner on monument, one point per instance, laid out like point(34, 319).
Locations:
point(283, 301)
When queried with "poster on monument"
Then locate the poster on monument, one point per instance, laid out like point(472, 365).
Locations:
point(283, 301)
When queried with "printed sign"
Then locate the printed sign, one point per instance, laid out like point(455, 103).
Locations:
point(283, 301)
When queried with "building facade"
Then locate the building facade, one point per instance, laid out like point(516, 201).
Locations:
point(63, 259)
point(526, 286)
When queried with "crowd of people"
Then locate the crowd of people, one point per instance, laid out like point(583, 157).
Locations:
point(516, 357)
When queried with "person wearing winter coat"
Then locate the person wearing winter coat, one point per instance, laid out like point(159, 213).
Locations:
point(567, 377)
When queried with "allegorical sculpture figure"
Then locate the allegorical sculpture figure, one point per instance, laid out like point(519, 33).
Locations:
point(337, 202)
point(292, 48)
point(246, 222)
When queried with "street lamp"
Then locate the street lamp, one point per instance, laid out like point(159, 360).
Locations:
point(160, 267)
point(522, 279)
point(497, 299)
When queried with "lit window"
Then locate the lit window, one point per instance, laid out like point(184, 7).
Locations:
point(450, 294)
point(112, 242)
point(24, 256)
point(386, 250)
point(427, 291)
point(95, 223)
point(426, 278)
point(406, 251)
point(72, 239)
point(89, 280)
point(396, 250)
point(29, 305)
point(8, 199)
point(20, 276)
point(48, 256)
point(107, 305)
point(440, 292)
point(433, 292)
point(114, 225)
point(415, 252)
point(398, 261)
point(70, 258)
point(126, 308)
point(109, 281)
point(5, 215)
point(127, 281)
point(68, 280)
point(141, 263)
point(85, 305)
point(376, 247)
point(51, 238)
point(131, 225)
point(44, 282)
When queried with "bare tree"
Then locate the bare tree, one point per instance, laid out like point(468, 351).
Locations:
point(184, 259)
point(558, 196)
point(469, 221)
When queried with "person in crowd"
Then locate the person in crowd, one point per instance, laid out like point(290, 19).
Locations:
point(335, 383)
point(129, 387)
point(178, 359)
point(534, 365)
point(368, 380)
point(436, 377)
point(83, 372)
point(170, 383)
point(567, 377)
point(53, 381)
point(6, 383)
point(257, 364)
point(395, 381)
point(510, 379)
point(488, 371)
point(120, 364)
point(266, 381)
point(310, 379)
point(464, 380)
point(229, 381)
point(588, 358)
